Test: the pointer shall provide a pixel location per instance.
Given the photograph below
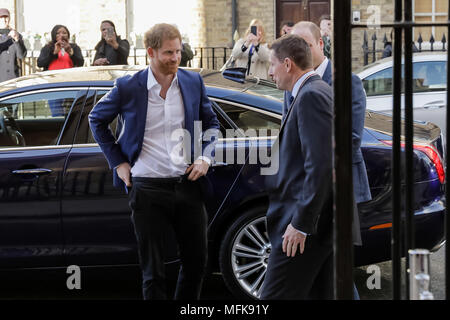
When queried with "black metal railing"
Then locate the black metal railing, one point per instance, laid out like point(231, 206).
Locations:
point(204, 57)
point(377, 51)
point(401, 242)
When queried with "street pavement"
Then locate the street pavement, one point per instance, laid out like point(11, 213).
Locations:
point(125, 284)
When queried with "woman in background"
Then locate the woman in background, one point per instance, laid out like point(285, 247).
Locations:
point(111, 49)
point(59, 53)
point(252, 51)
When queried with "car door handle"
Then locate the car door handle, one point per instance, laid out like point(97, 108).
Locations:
point(435, 105)
point(219, 164)
point(37, 171)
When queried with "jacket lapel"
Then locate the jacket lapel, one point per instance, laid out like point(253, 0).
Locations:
point(188, 114)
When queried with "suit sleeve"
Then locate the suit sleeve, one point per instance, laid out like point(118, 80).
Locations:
point(314, 121)
point(209, 122)
point(358, 115)
point(103, 113)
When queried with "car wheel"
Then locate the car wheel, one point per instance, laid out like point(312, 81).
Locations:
point(244, 254)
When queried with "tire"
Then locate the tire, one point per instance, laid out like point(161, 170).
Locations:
point(244, 253)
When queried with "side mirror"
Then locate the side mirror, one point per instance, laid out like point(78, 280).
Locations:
point(235, 74)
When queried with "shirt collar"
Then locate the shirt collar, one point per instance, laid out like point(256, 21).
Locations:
point(322, 67)
point(151, 80)
point(299, 82)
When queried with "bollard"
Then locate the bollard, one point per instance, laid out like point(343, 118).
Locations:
point(419, 278)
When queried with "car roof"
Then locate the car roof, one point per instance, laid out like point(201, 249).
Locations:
point(417, 57)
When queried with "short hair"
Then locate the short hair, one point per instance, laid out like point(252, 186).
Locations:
point(311, 26)
point(154, 37)
point(295, 48)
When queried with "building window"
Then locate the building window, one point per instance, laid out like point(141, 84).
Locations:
point(430, 11)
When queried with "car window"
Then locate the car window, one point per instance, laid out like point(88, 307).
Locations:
point(246, 118)
point(34, 119)
point(427, 76)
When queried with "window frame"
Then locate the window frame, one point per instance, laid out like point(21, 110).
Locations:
point(39, 91)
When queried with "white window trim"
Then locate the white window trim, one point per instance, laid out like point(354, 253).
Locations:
point(433, 15)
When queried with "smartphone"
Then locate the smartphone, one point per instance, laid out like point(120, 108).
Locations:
point(110, 32)
point(4, 31)
point(254, 29)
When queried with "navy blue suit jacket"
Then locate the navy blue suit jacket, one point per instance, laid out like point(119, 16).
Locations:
point(301, 192)
point(360, 181)
point(129, 100)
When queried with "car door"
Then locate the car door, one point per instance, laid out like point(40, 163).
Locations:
point(429, 91)
point(33, 151)
point(96, 215)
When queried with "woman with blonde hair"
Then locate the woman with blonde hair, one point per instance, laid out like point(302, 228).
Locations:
point(252, 51)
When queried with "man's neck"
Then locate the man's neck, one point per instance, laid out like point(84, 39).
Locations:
point(297, 77)
point(321, 61)
point(164, 80)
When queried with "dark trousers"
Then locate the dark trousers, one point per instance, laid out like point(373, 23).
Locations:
point(307, 276)
point(158, 205)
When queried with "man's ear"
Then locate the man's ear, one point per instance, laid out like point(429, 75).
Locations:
point(150, 52)
point(321, 44)
point(288, 64)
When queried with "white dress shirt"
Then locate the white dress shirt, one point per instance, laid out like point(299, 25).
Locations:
point(322, 67)
point(161, 156)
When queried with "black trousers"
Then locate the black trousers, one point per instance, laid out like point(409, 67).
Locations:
point(307, 276)
point(158, 205)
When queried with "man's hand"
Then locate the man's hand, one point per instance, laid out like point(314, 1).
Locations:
point(292, 238)
point(124, 173)
point(13, 34)
point(198, 169)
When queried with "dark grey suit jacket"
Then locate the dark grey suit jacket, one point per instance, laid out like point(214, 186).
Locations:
point(301, 192)
point(360, 181)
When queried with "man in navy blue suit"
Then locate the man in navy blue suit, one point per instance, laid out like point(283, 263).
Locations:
point(323, 66)
point(300, 213)
point(160, 167)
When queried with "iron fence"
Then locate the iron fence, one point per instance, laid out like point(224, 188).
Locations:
point(403, 226)
point(204, 57)
point(373, 48)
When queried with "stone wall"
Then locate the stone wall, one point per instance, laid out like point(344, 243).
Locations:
point(216, 18)
point(381, 11)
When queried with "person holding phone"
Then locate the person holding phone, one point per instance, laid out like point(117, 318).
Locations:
point(111, 49)
point(59, 53)
point(11, 48)
point(252, 51)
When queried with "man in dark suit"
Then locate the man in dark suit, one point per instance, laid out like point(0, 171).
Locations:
point(300, 214)
point(152, 106)
point(323, 66)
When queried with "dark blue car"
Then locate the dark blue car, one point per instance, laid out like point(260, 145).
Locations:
point(58, 206)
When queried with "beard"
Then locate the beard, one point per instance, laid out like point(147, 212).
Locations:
point(169, 67)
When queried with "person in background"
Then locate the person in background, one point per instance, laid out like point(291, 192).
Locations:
point(326, 30)
point(59, 53)
point(111, 49)
point(11, 48)
point(252, 51)
point(323, 66)
point(286, 27)
point(186, 54)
